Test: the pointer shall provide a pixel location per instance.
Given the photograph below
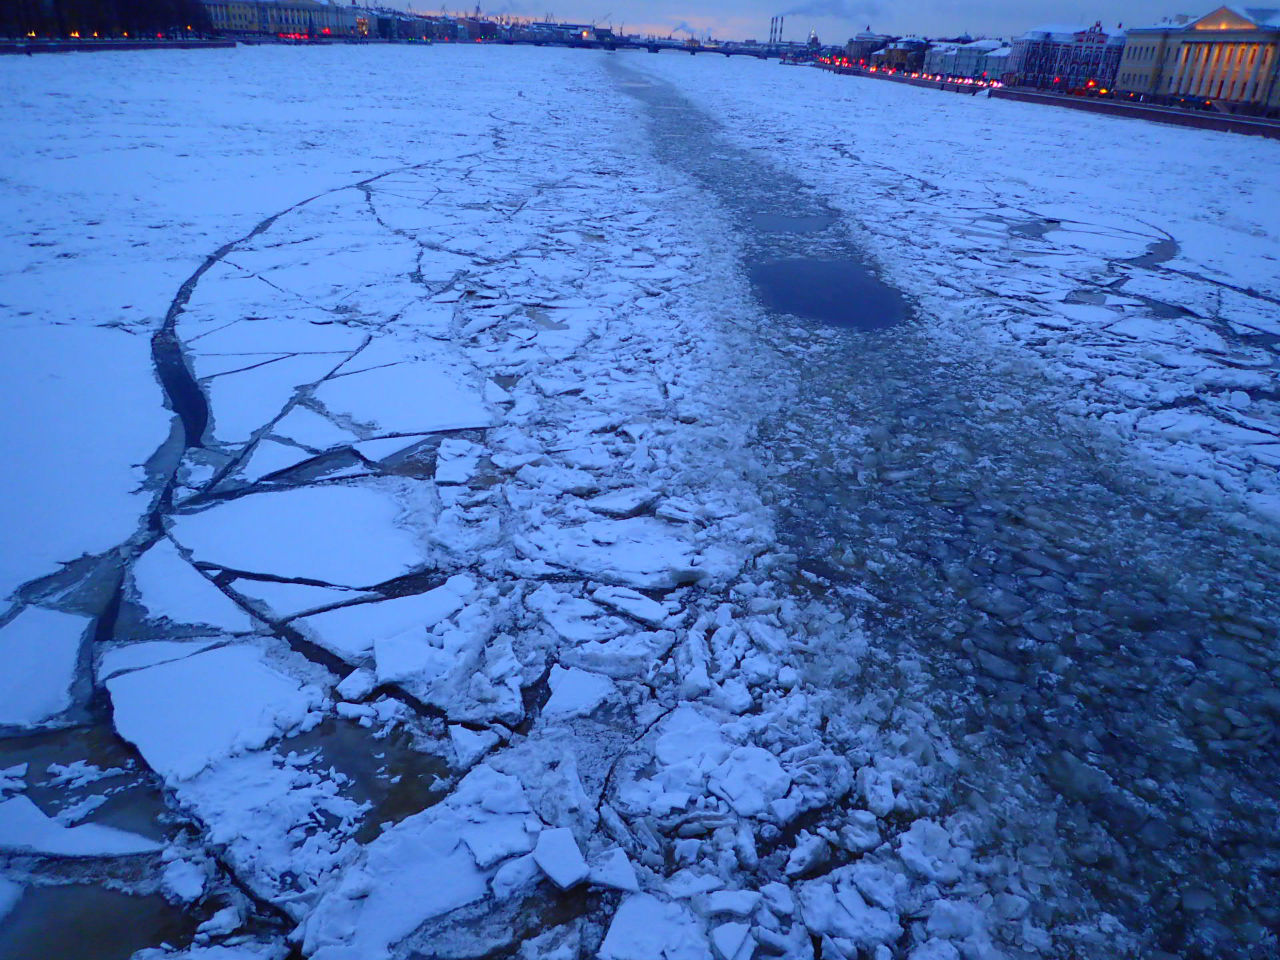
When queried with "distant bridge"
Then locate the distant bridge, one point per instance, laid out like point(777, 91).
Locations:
point(758, 51)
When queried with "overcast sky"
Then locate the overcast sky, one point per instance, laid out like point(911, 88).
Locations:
point(837, 20)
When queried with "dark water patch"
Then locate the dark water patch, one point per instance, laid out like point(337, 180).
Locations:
point(180, 386)
point(800, 259)
point(134, 800)
point(789, 223)
point(87, 922)
point(841, 292)
point(391, 774)
point(1158, 252)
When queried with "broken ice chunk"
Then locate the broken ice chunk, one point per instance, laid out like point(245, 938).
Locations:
point(837, 909)
point(632, 603)
point(24, 828)
point(343, 535)
point(733, 941)
point(39, 649)
point(185, 714)
point(351, 632)
point(645, 928)
point(497, 838)
point(641, 553)
point(184, 880)
point(614, 869)
point(736, 903)
point(750, 779)
point(170, 588)
point(456, 460)
point(623, 503)
point(514, 876)
point(558, 856)
point(470, 745)
point(356, 685)
point(576, 693)
point(927, 850)
point(410, 397)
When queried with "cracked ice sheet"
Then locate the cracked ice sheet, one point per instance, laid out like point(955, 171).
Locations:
point(341, 535)
point(634, 357)
point(179, 155)
point(80, 411)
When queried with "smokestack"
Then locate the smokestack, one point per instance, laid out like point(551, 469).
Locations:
point(781, 22)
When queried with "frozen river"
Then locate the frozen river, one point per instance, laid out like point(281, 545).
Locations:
point(573, 504)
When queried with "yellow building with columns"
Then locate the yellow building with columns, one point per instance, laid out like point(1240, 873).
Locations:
point(1229, 58)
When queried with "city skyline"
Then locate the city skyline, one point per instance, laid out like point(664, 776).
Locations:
point(835, 20)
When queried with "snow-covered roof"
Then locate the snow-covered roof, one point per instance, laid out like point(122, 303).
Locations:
point(1002, 52)
point(984, 45)
point(1262, 16)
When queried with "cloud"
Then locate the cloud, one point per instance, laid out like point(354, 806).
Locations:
point(838, 9)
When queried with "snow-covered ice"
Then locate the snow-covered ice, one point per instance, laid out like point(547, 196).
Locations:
point(342, 535)
point(40, 650)
point(185, 714)
point(25, 828)
point(513, 471)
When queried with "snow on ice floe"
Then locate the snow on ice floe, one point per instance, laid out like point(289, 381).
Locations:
point(40, 650)
point(81, 410)
point(642, 552)
point(24, 828)
point(646, 927)
point(185, 714)
point(352, 632)
point(170, 588)
point(342, 535)
point(284, 600)
point(243, 403)
point(409, 397)
point(270, 457)
point(303, 425)
point(576, 693)
point(134, 656)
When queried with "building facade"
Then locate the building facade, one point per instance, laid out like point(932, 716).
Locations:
point(860, 48)
point(906, 55)
point(1067, 58)
point(973, 59)
point(292, 17)
point(1229, 59)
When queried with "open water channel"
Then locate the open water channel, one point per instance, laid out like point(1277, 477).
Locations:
point(1103, 654)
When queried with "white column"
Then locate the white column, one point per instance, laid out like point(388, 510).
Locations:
point(1251, 88)
point(1204, 69)
point(1179, 70)
point(1194, 51)
point(1233, 75)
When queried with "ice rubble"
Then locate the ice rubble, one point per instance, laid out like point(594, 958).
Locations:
point(1143, 303)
